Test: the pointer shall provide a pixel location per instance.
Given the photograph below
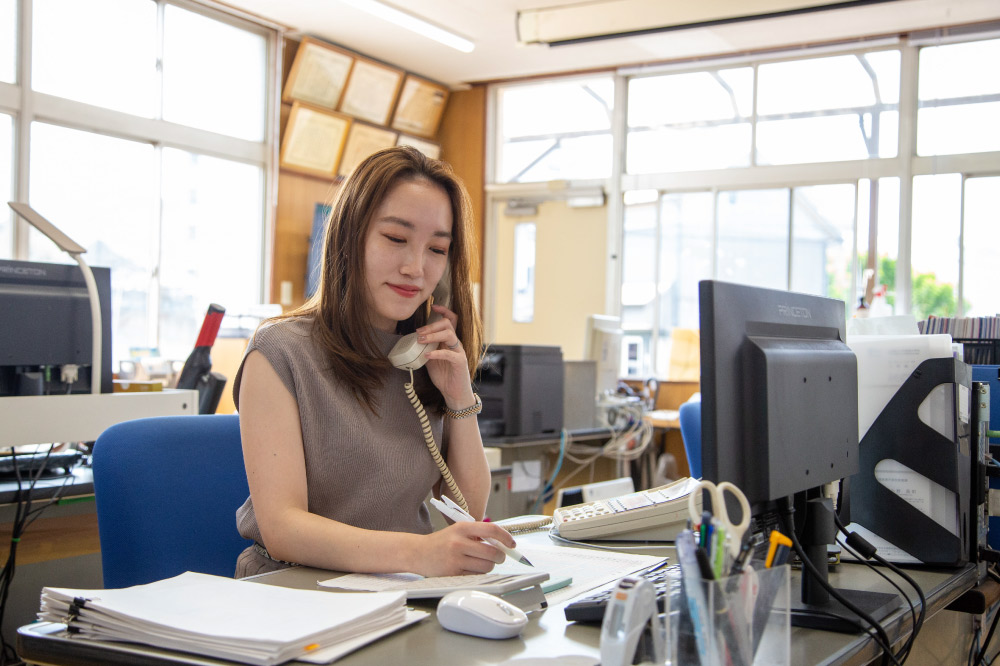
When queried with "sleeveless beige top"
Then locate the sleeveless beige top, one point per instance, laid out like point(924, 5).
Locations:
point(366, 470)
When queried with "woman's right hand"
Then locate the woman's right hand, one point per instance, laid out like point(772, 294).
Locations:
point(459, 550)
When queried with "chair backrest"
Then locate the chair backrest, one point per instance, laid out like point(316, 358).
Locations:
point(167, 490)
point(690, 420)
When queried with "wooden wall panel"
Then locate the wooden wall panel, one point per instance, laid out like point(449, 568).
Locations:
point(297, 199)
point(463, 144)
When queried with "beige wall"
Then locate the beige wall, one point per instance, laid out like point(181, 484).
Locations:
point(569, 280)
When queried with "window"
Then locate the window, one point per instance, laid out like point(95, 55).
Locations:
point(958, 101)
point(148, 124)
point(6, 182)
point(555, 131)
point(690, 122)
point(8, 41)
point(785, 172)
point(524, 272)
point(981, 237)
point(828, 109)
point(100, 52)
point(213, 75)
point(935, 245)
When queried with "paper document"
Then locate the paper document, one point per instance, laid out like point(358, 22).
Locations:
point(222, 617)
point(416, 586)
point(587, 568)
point(334, 652)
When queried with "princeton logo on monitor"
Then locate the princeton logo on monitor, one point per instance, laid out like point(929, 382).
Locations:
point(793, 311)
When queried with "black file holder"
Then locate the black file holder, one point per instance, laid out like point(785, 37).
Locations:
point(899, 434)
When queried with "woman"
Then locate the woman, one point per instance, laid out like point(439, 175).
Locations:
point(336, 460)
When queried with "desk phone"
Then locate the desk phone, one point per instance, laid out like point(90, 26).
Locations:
point(657, 514)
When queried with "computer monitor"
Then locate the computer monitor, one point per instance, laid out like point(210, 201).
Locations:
point(602, 343)
point(47, 326)
point(779, 389)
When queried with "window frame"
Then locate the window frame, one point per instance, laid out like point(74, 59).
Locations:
point(27, 106)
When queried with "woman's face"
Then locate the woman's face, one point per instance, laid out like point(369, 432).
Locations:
point(406, 250)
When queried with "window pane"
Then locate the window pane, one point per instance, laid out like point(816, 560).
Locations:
point(693, 97)
point(887, 244)
point(211, 243)
point(934, 250)
point(567, 158)
point(753, 238)
point(638, 267)
point(214, 75)
point(100, 191)
point(823, 241)
point(638, 293)
point(819, 139)
point(828, 109)
point(524, 272)
point(966, 128)
point(815, 84)
point(6, 185)
point(102, 52)
point(954, 70)
point(8, 40)
point(688, 149)
point(690, 122)
point(685, 258)
point(556, 130)
point(957, 101)
point(982, 237)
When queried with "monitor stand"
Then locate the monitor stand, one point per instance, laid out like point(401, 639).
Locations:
point(817, 609)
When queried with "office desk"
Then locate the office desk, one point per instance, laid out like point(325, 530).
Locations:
point(547, 634)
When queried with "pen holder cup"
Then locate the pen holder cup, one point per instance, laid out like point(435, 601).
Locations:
point(741, 620)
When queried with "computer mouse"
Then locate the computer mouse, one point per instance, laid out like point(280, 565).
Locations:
point(480, 614)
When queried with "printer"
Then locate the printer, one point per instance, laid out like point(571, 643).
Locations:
point(521, 387)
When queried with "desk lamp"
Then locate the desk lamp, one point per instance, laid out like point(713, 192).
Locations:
point(73, 249)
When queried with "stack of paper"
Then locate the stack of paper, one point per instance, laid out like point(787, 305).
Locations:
point(224, 618)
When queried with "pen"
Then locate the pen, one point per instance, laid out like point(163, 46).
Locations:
point(459, 515)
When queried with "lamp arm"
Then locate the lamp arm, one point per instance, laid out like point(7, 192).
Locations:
point(95, 322)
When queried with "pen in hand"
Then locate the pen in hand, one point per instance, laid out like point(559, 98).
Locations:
point(451, 510)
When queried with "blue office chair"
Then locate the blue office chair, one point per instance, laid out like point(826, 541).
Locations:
point(167, 490)
point(690, 419)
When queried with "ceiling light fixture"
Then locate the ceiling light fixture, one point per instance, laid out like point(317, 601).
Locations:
point(606, 19)
point(412, 23)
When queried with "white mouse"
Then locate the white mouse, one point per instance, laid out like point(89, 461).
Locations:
point(480, 614)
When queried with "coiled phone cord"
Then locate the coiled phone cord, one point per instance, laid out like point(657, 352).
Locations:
point(432, 446)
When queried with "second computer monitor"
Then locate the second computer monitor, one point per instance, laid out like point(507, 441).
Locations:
point(779, 390)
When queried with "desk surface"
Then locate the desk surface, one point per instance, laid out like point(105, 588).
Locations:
point(547, 634)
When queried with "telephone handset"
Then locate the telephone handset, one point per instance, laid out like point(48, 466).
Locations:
point(408, 354)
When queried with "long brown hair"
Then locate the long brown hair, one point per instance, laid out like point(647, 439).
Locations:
point(342, 323)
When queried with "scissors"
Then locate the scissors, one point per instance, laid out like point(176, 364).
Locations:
point(721, 514)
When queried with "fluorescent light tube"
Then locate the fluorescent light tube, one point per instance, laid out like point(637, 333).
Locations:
point(412, 23)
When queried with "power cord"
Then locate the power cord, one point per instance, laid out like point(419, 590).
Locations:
point(807, 564)
point(24, 515)
point(863, 551)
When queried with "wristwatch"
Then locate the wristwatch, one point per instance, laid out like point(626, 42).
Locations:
point(468, 411)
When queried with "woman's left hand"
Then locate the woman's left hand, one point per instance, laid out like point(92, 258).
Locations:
point(447, 365)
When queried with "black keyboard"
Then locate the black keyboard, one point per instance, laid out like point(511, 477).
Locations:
point(665, 579)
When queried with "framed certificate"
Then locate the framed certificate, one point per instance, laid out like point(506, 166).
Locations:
point(314, 140)
point(318, 75)
point(420, 106)
point(371, 91)
point(362, 141)
point(428, 148)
